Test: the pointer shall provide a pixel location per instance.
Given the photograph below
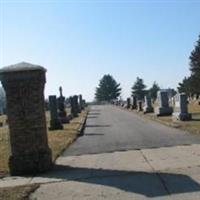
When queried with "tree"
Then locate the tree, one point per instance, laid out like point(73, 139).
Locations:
point(138, 89)
point(108, 89)
point(189, 85)
point(195, 60)
point(153, 91)
point(195, 67)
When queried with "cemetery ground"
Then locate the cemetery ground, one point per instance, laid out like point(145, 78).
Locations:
point(122, 156)
point(193, 126)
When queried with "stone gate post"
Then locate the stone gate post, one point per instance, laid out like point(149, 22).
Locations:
point(24, 87)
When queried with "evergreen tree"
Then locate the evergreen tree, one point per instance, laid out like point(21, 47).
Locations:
point(138, 89)
point(189, 85)
point(153, 91)
point(195, 68)
point(195, 60)
point(108, 89)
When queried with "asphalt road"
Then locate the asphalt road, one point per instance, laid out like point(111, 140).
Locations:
point(110, 129)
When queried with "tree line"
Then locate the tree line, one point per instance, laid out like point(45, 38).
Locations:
point(108, 88)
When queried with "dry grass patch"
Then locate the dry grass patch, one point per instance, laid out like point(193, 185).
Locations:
point(4, 147)
point(18, 192)
point(192, 126)
point(59, 140)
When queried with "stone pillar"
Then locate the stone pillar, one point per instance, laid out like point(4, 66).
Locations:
point(55, 122)
point(24, 87)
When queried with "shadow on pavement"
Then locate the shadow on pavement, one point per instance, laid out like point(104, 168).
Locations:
point(150, 184)
point(93, 117)
point(93, 134)
point(93, 113)
point(95, 110)
point(96, 125)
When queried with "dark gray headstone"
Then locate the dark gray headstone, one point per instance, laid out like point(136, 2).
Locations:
point(74, 105)
point(133, 102)
point(61, 108)
point(80, 103)
point(139, 106)
point(128, 103)
point(55, 122)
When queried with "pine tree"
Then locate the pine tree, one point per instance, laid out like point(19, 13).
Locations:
point(153, 91)
point(195, 68)
point(108, 89)
point(138, 89)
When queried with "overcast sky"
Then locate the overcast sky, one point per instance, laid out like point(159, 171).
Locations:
point(80, 41)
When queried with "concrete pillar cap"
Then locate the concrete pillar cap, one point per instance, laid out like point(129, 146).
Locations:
point(21, 67)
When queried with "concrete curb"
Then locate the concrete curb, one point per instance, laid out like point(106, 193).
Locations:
point(82, 125)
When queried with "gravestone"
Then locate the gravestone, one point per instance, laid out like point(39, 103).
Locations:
point(139, 106)
point(163, 108)
point(181, 108)
point(55, 122)
point(61, 108)
point(128, 103)
point(148, 108)
point(24, 87)
point(133, 102)
point(81, 106)
point(74, 106)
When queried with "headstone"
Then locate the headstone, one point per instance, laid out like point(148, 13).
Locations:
point(55, 122)
point(128, 103)
point(74, 106)
point(181, 108)
point(133, 102)
point(139, 106)
point(84, 103)
point(80, 101)
point(24, 87)
point(61, 108)
point(163, 108)
point(148, 108)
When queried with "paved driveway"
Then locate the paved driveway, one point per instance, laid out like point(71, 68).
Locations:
point(110, 129)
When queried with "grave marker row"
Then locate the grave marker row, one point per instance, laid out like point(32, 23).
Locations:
point(180, 111)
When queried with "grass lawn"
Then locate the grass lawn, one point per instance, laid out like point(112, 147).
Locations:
point(58, 140)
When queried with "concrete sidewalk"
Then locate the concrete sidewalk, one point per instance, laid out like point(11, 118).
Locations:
point(162, 173)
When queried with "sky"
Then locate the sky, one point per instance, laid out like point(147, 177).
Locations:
point(80, 41)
